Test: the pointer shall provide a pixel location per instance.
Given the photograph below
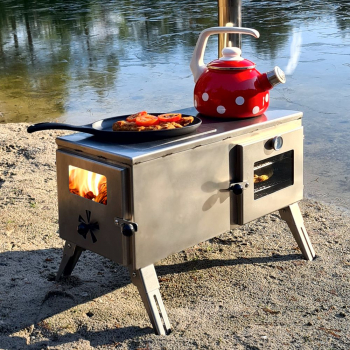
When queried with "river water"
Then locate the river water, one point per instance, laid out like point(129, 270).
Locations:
point(83, 60)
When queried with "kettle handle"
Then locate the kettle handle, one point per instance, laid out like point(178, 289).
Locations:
point(197, 64)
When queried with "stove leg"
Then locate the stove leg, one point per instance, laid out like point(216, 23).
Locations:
point(294, 219)
point(146, 281)
point(71, 254)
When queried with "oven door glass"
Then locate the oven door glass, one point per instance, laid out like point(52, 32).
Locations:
point(273, 174)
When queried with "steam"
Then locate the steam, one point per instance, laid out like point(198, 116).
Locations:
point(295, 50)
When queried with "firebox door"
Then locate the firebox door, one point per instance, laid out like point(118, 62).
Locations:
point(91, 195)
point(268, 175)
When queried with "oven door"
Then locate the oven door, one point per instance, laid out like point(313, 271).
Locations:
point(90, 195)
point(268, 175)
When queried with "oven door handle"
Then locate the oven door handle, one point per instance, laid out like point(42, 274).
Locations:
point(237, 187)
point(128, 227)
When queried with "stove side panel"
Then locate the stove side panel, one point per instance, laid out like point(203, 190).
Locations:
point(178, 203)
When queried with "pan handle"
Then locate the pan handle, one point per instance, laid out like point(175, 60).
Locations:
point(61, 126)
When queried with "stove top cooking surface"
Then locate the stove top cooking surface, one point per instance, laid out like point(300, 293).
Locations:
point(211, 130)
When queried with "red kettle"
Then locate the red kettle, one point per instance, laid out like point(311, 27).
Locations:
point(230, 87)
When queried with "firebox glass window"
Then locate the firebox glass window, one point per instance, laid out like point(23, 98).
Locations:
point(273, 174)
point(88, 184)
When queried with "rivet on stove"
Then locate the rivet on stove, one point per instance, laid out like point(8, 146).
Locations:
point(69, 245)
point(246, 185)
point(116, 221)
point(134, 274)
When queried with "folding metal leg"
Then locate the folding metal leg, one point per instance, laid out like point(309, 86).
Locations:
point(71, 254)
point(146, 281)
point(294, 219)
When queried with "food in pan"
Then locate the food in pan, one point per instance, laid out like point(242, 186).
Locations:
point(142, 121)
point(132, 117)
point(170, 117)
point(260, 178)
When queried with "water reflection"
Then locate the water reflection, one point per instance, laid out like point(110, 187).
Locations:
point(55, 55)
point(49, 48)
point(45, 46)
point(83, 60)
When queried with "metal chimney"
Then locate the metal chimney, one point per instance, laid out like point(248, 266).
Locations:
point(229, 14)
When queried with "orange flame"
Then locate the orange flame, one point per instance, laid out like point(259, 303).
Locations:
point(86, 183)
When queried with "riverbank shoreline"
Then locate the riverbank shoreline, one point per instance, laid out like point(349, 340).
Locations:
point(246, 289)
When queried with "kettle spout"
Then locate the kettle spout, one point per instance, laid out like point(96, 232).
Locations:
point(274, 77)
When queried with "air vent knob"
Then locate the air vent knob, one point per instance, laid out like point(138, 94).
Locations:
point(83, 228)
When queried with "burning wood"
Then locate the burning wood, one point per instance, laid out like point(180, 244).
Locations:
point(89, 195)
point(102, 196)
point(73, 190)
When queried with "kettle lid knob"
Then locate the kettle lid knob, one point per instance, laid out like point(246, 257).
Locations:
point(231, 54)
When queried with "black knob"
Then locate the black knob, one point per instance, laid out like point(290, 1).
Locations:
point(237, 189)
point(83, 229)
point(128, 230)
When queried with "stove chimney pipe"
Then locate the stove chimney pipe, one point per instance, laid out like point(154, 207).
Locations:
point(229, 15)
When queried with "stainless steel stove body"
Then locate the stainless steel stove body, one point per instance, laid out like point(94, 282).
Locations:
point(167, 195)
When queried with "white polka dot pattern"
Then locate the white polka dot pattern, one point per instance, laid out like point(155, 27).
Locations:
point(239, 100)
point(255, 110)
point(267, 98)
point(205, 96)
point(221, 109)
point(195, 103)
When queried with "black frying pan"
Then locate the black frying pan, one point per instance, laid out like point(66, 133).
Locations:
point(103, 129)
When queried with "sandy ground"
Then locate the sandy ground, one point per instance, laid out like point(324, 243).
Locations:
point(246, 289)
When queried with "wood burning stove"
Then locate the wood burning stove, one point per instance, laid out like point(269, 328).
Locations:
point(137, 203)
